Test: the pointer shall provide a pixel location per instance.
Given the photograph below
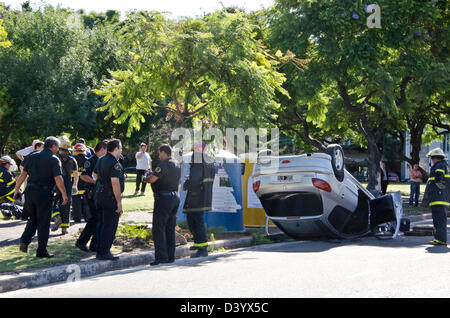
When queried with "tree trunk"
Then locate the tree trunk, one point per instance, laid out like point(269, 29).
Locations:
point(374, 165)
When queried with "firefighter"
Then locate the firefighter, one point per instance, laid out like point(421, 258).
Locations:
point(438, 190)
point(199, 199)
point(79, 205)
point(61, 213)
point(7, 178)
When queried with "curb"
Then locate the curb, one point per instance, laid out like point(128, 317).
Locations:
point(75, 272)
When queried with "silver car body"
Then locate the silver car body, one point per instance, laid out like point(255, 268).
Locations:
point(301, 210)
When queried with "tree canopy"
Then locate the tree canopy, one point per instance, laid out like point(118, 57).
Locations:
point(193, 68)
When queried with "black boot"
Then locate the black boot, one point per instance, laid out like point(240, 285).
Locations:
point(201, 252)
point(44, 255)
point(23, 247)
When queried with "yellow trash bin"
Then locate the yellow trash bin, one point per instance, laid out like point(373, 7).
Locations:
point(254, 215)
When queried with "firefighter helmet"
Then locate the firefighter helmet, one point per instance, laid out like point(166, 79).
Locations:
point(79, 148)
point(64, 143)
point(8, 159)
point(437, 152)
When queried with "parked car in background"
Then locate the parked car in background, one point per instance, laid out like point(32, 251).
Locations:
point(393, 177)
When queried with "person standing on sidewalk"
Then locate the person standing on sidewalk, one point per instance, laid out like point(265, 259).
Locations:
point(143, 164)
point(90, 231)
point(165, 180)
point(384, 177)
point(80, 207)
point(61, 213)
point(199, 199)
point(438, 188)
point(415, 177)
point(111, 181)
point(44, 171)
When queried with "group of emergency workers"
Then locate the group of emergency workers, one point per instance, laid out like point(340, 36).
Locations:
point(94, 181)
point(55, 177)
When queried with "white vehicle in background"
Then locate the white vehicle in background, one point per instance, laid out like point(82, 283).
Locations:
point(312, 195)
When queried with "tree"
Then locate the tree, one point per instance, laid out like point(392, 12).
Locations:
point(357, 75)
point(48, 75)
point(193, 68)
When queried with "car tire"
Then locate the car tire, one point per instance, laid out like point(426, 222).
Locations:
point(337, 160)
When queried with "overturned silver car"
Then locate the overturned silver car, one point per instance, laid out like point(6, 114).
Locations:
point(312, 195)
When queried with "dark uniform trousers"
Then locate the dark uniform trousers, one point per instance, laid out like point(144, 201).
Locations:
point(92, 228)
point(164, 222)
point(63, 210)
point(38, 203)
point(196, 223)
point(439, 213)
point(109, 220)
point(80, 208)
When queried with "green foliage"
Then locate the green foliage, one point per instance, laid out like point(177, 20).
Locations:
point(216, 230)
point(183, 225)
point(360, 79)
point(259, 238)
point(4, 42)
point(135, 231)
point(191, 69)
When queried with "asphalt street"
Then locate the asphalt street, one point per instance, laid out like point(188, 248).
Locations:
point(404, 267)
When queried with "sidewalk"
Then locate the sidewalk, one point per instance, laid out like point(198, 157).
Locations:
point(11, 230)
point(93, 267)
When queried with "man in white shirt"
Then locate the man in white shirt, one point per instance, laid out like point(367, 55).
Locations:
point(143, 162)
point(22, 153)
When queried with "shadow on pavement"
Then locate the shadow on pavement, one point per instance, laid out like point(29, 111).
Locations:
point(12, 224)
point(438, 249)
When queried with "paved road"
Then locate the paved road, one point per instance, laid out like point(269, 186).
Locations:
point(405, 267)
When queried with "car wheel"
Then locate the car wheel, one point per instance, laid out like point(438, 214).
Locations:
point(337, 160)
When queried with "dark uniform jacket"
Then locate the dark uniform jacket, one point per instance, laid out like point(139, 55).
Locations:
point(199, 187)
point(88, 170)
point(69, 165)
point(108, 167)
point(438, 186)
point(7, 183)
point(168, 173)
point(42, 168)
point(81, 159)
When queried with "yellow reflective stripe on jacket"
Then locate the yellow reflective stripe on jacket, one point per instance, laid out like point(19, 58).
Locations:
point(431, 178)
point(9, 183)
point(1, 180)
point(440, 170)
point(201, 244)
point(55, 214)
point(9, 193)
point(80, 192)
point(65, 224)
point(439, 203)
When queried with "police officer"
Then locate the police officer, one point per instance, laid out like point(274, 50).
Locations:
point(44, 171)
point(79, 204)
point(199, 199)
point(109, 174)
point(90, 231)
point(164, 180)
point(61, 213)
point(438, 191)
